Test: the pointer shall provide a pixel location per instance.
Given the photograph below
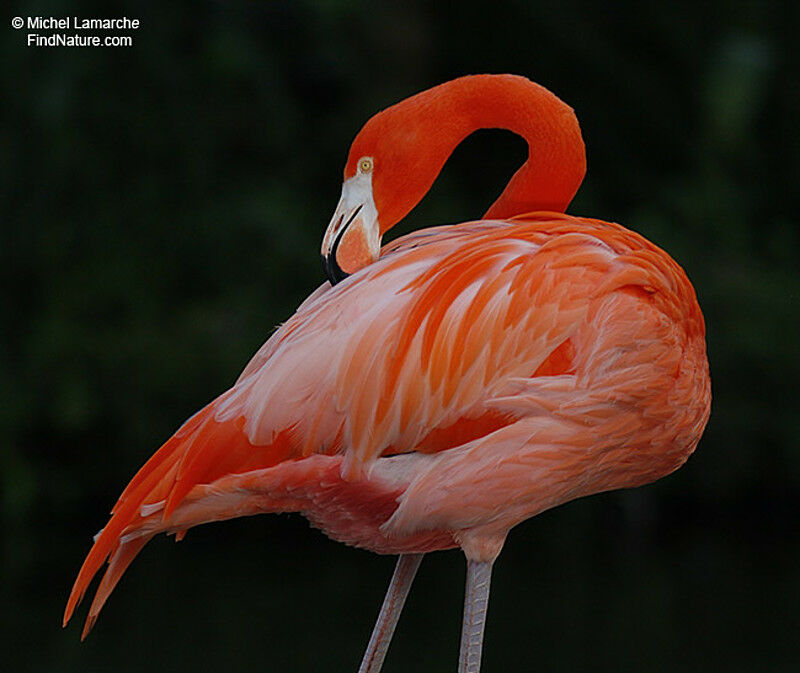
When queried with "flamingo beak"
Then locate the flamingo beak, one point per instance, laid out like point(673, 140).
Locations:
point(353, 239)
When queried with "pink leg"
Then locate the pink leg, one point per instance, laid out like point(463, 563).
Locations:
point(404, 572)
point(476, 602)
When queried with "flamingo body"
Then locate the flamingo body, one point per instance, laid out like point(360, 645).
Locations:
point(467, 379)
point(568, 359)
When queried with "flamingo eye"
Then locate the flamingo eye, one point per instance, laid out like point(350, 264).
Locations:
point(365, 165)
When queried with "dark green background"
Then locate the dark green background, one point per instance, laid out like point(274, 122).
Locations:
point(162, 208)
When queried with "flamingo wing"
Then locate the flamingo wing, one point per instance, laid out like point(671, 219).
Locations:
point(419, 342)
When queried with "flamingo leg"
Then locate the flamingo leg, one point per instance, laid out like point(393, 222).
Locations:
point(404, 572)
point(476, 602)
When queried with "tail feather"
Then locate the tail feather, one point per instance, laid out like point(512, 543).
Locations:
point(202, 451)
point(107, 541)
point(118, 564)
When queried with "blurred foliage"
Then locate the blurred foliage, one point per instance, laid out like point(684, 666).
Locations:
point(162, 209)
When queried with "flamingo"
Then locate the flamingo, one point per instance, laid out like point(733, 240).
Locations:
point(445, 387)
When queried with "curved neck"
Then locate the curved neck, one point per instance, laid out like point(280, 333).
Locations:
point(556, 160)
point(437, 120)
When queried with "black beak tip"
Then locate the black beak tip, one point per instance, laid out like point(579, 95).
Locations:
point(332, 269)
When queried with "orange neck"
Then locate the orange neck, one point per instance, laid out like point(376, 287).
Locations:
point(419, 134)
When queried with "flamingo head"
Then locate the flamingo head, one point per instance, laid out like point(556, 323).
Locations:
point(392, 163)
point(353, 237)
